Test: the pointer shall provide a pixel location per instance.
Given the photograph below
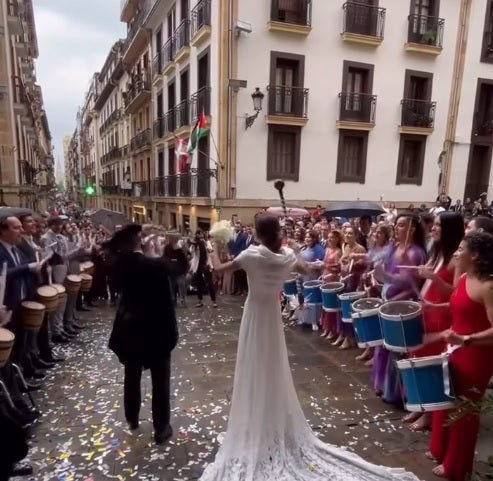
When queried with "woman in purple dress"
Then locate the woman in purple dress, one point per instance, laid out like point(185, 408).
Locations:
point(399, 285)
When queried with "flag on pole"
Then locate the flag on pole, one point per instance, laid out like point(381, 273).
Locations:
point(181, 155)
point(199, 131)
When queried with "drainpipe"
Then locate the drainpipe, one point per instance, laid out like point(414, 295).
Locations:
point(230, 170)
point(456, 90)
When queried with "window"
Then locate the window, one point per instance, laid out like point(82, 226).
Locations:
point(411, 159)
point(424, 25)
point(283, 152)
point(417, 108)
point(286, 92)
point(487, 47)
point(357, 101)
point(351, 156)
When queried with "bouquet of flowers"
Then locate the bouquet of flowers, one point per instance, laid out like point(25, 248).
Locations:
point(221, 232)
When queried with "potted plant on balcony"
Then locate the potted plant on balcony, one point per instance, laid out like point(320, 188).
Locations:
point(429, 37)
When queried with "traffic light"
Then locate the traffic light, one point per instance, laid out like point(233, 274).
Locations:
point(89, 190)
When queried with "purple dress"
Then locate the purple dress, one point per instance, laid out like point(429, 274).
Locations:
point(405, 286)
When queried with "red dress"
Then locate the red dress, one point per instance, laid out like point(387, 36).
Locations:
point(436, 320)
point(471, 369)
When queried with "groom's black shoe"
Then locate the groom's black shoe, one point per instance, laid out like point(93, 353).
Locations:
point(163, 435)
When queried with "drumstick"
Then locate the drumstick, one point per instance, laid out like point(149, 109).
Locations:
point(408, 267)
point(3, 285)
point(49, 272)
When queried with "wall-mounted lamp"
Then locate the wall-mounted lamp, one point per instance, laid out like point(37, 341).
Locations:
point(257, 98)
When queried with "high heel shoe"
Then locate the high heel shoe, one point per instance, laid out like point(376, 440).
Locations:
point(324, 333)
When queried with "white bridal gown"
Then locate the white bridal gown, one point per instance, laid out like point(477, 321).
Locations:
point(268, 437)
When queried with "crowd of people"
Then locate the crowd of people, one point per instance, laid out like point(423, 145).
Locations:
point(442, 258)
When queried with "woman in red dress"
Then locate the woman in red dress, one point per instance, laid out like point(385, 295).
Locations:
point(441, 277)
point(453, 440)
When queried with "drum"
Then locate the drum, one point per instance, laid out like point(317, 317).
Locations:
point(366, 322)
point(402, 326)
point(289, 287)
point(48, 296)
point(426, 382)
point(330, 301)
point(346, 301)
point(87, 267)
point(86, 283)
point(72, 283)
point(312, 293)
point(62, 292)
point(32, 315)
point(6, 343)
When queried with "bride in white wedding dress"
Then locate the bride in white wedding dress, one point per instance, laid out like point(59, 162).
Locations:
point(268, 437)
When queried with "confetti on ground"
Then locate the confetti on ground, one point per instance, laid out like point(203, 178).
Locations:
point(83, 436)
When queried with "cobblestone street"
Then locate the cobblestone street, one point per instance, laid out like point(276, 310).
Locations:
point(82, 434)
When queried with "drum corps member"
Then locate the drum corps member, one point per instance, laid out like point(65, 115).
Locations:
point(145, 329)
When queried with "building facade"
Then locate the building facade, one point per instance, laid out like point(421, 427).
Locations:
point(342, 100)
point(26, 157)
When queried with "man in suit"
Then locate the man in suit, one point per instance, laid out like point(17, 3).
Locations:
point(145, 330)
point(236, 247)
point(39, 348)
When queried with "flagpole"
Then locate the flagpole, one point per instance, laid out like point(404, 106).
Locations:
point(218, 162)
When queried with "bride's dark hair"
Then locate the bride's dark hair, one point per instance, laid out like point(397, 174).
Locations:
point(268, 231)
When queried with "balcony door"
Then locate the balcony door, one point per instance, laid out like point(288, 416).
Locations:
point(203, 71)
point(184, 9)
point(362, 17)
point(171, 21)
point(286, 84)
point(423, 14)
point(416, 105)
point(291, 11)
point(356, 91)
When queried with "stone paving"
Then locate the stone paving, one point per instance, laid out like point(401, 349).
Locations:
point(82, 434)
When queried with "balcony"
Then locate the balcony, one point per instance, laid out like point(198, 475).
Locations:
point(181, 42)
point(356, 111)
point(21, 99)
point(115, 116)
point(21, 46)
point(287, 105)
point(127, 9)
point(363, 24)
point(158, 128)
point(196, 183)
point(14, 18)
point(141, 141)
point(182, 118)
point(138, 94)
point(200, 102)
point(425, 34)
point(116, 153)
point(168, 52)
point(137, 37)
point(291, 16)
point(200, 23)
point(111, 190)
point(417, 117)
point(157, 66)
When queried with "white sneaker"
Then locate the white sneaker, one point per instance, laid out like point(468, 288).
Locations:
point(314, 327)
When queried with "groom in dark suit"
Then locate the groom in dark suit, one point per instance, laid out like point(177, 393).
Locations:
point(145, 329)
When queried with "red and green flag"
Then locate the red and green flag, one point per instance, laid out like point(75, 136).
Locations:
point(200, 130)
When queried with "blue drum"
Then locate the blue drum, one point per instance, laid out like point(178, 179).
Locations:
point(346, 301)
point(426, 382)
point(366, 322)
point(289, 287)
point(330, 301)
point(312, 293)
point(402, 326)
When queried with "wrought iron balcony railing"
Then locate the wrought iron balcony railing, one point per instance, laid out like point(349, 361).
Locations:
point(296, 12)
point(357, 107)
point(363, 19)
point(418, 113)
point(200, 16)
point(181, 36)
point(142, 139)
point(426, 30)
point(288, 101)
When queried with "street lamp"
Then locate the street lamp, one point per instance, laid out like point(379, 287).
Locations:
point(257, 98)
